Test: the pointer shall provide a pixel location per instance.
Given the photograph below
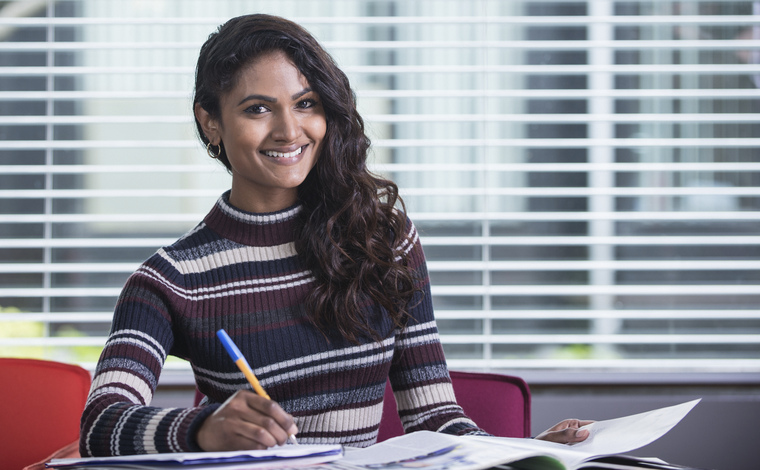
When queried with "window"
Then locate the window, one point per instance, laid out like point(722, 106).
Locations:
point(585, 174)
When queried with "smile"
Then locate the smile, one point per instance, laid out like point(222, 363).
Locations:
point(294, 153)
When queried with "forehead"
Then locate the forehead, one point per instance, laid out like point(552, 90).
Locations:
point(269, 73)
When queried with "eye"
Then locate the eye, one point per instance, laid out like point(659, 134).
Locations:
point(306, 103)
point(256, 109)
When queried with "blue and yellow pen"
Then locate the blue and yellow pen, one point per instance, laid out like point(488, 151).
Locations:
point(245, 368)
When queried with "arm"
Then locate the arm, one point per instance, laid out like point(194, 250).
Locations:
point(117, 419)
point(419, 374)
point(420, 378)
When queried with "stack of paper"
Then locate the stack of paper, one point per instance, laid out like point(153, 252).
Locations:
point(432, 451)
point(276, 457)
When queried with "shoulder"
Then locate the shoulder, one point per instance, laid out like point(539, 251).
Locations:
point(408, 241)
point(198, 243)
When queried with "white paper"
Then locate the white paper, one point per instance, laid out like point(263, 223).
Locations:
point(435, 451)
point(418, 450)
point(271, 458)
point(427, 450)
point(620, 435)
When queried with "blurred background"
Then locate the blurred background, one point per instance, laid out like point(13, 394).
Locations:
point(585, 176)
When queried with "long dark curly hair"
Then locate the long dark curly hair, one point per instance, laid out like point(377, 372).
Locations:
point(352, 222)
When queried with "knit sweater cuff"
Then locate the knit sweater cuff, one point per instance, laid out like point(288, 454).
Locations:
point(463, 427)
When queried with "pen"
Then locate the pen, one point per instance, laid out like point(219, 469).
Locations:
point(245, 368)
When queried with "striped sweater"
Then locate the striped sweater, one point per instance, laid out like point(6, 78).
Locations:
point(239, 271)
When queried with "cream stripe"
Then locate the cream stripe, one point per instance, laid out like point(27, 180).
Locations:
point(299, 371)
point(118, 428)
point(228, 387)
point(425, 395)
point(121, 377)
point(455, 421)
point(258, 219)
point(150, 431)
point(242, 254)
point(199, 371)
point(409, 241)
point(416, 340)
point(174, 430)
point(151, 341)
point(419, 326)
point(141, 344)
point(226, 286)
point(322, 356)
point(342, 420)
point(112, 390)
point(417, 419)
point(317, 369)
point(184, 292)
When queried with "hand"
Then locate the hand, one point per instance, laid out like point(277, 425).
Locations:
point(245, 421)
point(566, 432)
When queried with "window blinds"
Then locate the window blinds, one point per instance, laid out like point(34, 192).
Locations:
point(584, 174)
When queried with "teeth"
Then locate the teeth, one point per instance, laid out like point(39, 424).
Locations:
point(292, 154)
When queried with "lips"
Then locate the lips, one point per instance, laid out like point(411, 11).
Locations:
point(274, 154)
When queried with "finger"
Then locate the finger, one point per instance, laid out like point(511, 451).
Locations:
point(578, 435)
point(244, 421)
point(566, 432)
point(255, 436)
point(225, 432)
point(272, 417)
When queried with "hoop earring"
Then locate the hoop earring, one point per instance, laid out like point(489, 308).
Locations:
point(211, 152)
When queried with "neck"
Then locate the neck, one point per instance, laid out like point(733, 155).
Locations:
point(271, 201)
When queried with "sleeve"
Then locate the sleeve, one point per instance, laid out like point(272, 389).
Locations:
point(117, 419)
point(419, 375)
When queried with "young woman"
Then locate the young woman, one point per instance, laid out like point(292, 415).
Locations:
point(308, 262)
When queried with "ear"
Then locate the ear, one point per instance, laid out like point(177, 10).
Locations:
point(209, 125)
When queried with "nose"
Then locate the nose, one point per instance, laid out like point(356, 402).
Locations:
point(286, 127)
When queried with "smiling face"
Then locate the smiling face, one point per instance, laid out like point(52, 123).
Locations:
point(271, 125)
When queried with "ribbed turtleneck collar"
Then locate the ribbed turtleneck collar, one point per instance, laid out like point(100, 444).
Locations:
point(247, 228)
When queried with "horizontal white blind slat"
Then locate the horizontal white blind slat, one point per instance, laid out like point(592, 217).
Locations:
point(604, 339)
point(409, 94)
point(421, 216)
point(33, 71)
point(397, 118)
point(391, 45)
point(439, 266)
point(89, 317)
point(426, 241)
point(596, 314)
point(597, 289)
point(407, 143)
point(534, 192)
point(542, 20)
point(462, 290)
point(406, 167)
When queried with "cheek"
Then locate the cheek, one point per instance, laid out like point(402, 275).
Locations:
point(317, 127)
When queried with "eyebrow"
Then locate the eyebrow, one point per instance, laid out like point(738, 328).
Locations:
point(270, 99)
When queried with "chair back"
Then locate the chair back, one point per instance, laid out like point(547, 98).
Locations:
point(499, 404)
point(41, 404)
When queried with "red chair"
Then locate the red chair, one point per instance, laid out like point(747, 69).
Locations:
point(41, 404)
point(499, 404)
